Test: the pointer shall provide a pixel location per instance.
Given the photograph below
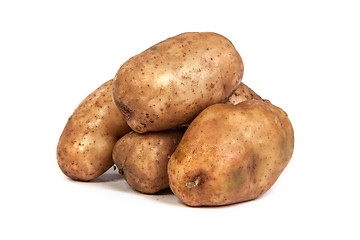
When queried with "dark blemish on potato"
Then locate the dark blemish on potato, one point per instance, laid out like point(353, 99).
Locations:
point(236, 179)
point(252, 167)
point(212, 85)
point(224, 87)
point(124, 110)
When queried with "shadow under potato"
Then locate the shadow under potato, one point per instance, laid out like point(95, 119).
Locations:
point(113, 175)
point(166, 191)
point(107, 177)
point(116, 182)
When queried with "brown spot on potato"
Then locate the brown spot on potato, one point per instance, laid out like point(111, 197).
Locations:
point(124, 110)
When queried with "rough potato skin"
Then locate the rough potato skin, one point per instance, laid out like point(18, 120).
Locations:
point(171, 82)
point(86, 143)
point(241, 94)
point(143, 158)
point(231, 154)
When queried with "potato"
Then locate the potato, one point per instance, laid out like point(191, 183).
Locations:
point(241, 94)
point(86, 143)
point(231, 154)
point(143, 158)
point(171, 82)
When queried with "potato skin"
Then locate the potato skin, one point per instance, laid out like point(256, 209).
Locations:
point(231, 154)
point(241, 94)
point(143, 158)
point(171, 82)
point(86, 143)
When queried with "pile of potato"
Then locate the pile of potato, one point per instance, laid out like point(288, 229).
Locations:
point(178, 115)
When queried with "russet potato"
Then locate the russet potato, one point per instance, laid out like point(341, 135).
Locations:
point(86, 143)
point(143, 158)
point(231, 154)
point(171, 82)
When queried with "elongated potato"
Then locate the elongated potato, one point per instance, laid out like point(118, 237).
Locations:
point(171, 82)
point(143, 158)
point(84, 151)
point(231, 154)
point(241, 94)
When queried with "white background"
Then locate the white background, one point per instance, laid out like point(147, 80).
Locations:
point(302, 55)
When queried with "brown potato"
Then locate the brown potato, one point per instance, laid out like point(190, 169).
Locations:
point(241, 94)
point(143, 158)
point(170, 83)
point(85, 146)
point(231, 154)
